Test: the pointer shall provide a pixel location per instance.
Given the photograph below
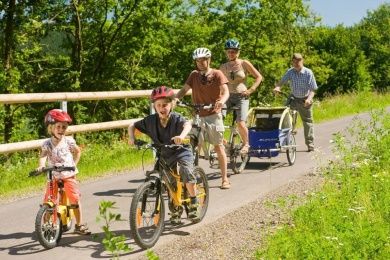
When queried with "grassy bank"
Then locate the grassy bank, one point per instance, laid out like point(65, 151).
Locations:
point(111, 157)
point(350, 217)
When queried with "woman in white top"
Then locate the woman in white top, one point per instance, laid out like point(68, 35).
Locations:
point(237, 70)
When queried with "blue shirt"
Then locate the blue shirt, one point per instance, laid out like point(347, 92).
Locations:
point(151, 126)
point(301, 82)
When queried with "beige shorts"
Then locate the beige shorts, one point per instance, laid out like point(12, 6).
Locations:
point(213, 128)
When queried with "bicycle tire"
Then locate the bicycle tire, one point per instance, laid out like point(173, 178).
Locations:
point(195, 149)
point(238, 161)
point(47, 228)
point(202, 187)
point(147, 213)
point(292, 150)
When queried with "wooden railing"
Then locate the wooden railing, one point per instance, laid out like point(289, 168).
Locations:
point(64, 97)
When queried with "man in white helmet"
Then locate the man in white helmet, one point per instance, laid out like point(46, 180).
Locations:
point(209, 86)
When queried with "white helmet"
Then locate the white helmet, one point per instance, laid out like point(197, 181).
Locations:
point(201, 53)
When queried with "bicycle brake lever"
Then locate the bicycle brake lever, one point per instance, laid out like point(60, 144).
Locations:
point(140, 143)
point(34, 173)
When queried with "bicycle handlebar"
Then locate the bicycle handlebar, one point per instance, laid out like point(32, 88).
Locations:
point(289, 97)
point(52, 168)
point(197, 107)
point(141, 143)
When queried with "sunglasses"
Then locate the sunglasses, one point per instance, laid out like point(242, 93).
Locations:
point(203, 79)
point(232, 51)
point(232, 75)
point(295, 59)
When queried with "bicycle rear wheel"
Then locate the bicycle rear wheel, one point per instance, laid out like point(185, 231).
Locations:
point(238, 161)
point(292, 150)
point(48, 227)
point(147, 213)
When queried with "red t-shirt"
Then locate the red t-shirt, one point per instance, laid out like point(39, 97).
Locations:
point(206, 89)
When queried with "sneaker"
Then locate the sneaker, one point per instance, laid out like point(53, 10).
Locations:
point(175, 221)
point(82, 229)
point(310, 149)
point(193, 211)
point(175, 218)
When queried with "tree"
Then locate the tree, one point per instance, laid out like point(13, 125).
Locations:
point(375, 39)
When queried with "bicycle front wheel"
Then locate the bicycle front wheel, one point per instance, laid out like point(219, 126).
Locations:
point(147, 214)
point(238, 161)
point(48, 227)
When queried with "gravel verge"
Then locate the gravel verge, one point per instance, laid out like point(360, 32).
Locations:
point(238, 234)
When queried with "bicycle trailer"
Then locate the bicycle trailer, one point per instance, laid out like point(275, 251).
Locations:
point(270, 132)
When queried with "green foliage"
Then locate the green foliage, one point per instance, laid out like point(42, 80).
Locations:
point(118, 158)
point(352, 209)
point(125, 45)
point(112, 242)
point(346, 65)
point(152, 255)
point(373, 37)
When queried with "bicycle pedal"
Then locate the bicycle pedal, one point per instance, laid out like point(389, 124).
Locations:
point(176, 222)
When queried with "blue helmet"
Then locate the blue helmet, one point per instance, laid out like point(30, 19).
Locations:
point(232, 44)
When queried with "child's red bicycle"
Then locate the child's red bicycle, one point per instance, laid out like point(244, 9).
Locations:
point(54, 216)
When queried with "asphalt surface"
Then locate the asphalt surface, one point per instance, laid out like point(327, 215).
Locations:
point(17, 235)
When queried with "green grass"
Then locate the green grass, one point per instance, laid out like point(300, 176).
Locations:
point(349, 104)
point(97, 160)
point(115, 157)
point(349, 218)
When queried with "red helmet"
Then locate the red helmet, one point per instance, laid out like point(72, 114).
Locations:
point(162, 92)
point(57, 115)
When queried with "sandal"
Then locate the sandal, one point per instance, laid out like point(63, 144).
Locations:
point(225, 185)
point(244, 149)
point(82, 229)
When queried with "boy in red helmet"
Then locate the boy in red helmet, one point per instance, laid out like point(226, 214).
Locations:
point(61, 150)
point(167, 127)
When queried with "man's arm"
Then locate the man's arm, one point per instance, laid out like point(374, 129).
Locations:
point(182, 91)
point(278, 85)
point(224, 96)
point(313, 88)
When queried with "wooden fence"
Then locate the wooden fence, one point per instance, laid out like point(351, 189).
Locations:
point(64, 97)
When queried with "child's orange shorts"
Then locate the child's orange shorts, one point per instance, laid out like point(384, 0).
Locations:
point(70, 187)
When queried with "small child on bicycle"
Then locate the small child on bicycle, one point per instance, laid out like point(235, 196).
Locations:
point(165, 127)
point(61, 150)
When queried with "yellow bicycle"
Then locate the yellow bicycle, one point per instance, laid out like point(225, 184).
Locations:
point(147, 209)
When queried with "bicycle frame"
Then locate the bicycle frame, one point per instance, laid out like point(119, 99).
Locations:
point(166, 174)
point(196, 124)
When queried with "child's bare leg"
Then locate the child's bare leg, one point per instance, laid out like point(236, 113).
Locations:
point(77, 214)
point(191, 187)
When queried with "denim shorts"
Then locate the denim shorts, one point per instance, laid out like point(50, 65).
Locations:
point(242, 102)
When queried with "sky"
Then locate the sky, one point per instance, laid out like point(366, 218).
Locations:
point(347, 12)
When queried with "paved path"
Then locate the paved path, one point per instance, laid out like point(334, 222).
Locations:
point(18, 241)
